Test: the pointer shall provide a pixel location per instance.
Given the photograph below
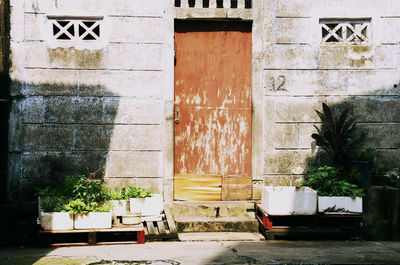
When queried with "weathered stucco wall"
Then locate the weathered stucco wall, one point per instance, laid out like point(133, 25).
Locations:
point(82, 105)
point(364, 76)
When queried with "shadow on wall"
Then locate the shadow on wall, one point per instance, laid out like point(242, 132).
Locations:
point(57, 130)
point(378, 118)
point(4, 114)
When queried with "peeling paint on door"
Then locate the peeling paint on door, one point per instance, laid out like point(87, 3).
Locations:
point(212, 102)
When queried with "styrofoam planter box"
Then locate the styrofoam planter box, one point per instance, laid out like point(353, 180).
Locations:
point(280, 200)
point(119, 207)
point(93, 220)
point(147, 206)
point(151, 218)
point(131, 219)
point(57, 221)
point(339, 204)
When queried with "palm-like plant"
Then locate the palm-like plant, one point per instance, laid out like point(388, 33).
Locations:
point(337, 135)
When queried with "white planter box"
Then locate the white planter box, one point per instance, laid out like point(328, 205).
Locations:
point(151, 218)
point(119, 207)
point(93, 220)
point(279, 200)
point(131, 219)
point(339, 204)
point(147, 206)
point(57, 221)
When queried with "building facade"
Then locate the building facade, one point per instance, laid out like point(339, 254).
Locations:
point(134, 88)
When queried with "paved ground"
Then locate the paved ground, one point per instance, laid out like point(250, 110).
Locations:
point(212, 252)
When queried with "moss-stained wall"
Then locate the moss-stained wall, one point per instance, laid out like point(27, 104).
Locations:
point(364, 76)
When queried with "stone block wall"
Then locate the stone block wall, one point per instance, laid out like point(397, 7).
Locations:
point(301, 72)
point(78, 106)
point(81, 105)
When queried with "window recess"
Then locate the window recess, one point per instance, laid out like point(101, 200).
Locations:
point(76, 29)
point(352, 31)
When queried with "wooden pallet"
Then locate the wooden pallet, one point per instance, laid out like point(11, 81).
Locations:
point(161, 230)
point(79, 237)
point(317, 226)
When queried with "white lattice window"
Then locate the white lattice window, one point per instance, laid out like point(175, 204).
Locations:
point(74, 29)
point(214, 3)
point(345, 31)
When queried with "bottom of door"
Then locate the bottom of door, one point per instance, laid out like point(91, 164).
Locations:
point(194, 187)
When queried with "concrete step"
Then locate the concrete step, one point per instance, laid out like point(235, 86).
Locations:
point(217, 225)
point(220, 236)
point(232, 216)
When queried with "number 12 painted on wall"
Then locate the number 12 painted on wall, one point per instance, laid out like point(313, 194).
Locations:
point(281, 86)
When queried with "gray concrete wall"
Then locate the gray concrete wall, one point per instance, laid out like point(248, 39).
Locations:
point(79, 106)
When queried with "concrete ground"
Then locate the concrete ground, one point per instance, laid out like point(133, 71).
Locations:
point(211, 252)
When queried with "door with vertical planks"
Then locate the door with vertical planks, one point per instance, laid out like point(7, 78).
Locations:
point(212, 155)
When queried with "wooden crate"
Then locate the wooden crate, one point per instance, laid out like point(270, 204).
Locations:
point(161, 230)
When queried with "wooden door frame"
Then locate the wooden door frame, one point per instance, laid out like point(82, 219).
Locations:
point(257, 157)
point(261, 33)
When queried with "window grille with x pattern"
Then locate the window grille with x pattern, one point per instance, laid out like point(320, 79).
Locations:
point(345, 31)
point(76, 29)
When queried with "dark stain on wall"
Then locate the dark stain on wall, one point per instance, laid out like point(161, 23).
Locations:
point(4, 92)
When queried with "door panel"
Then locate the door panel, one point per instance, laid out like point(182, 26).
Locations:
point(197, 187)
point(212, 107)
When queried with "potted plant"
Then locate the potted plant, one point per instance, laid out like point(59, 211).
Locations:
point(119, 202)
point(53, 215)
point(363, 164)
point(337, 135)
point(89, 203)
point(334, 193)
point(91, 215)
point(337, 185)
point(83, 199)
point(143, 202)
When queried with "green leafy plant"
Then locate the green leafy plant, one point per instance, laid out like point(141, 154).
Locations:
point(80, 207)
point(354, 175)
point(47, 192)
point(76, 194)
point(393, 177)
point(104, 207)
point(133, 191)
point(126, 193)
point(52, 204)
point(88, 190)
point(337, 134)
point(81, 194)
point(368, 154)
point(117, 194)
point(325, 180)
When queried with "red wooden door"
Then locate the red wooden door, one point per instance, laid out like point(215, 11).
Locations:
point(212, 111)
